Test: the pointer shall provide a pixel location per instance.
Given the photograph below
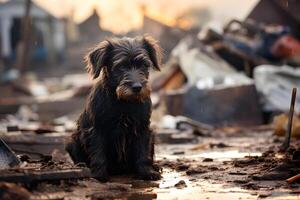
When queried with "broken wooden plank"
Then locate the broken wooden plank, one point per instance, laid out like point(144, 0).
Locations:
point(34, 144)
point(30, 176)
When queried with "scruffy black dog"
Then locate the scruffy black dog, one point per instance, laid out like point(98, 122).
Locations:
point(113, 134)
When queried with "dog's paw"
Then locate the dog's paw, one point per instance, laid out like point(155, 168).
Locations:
point(100, 175)
point(102, 178)
point(149, 174)
point(157, 168)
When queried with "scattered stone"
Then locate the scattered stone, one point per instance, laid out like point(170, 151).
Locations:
point(182, 167)
point(213, 168)
point(241, 181)
point(208, 160)
point(195, 171)
point(181, 184)
point(179, 153)
point(218, 145)
point(264, 194)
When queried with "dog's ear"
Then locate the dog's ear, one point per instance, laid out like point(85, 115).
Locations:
point(97, 58)
point(154, 50)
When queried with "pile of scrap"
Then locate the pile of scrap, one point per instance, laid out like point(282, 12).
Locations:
point(207, 84)
point(27, 132)
point(241, 76)
point(34, 127)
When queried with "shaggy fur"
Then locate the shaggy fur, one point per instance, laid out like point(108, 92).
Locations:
point(113, 134)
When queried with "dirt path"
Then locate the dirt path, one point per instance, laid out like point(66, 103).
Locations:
point(219, 167)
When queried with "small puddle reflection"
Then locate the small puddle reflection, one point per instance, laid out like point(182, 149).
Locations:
point(170, 178)
point(227, 155)
point(217, 155)
point(205, 189)
point(196, 189)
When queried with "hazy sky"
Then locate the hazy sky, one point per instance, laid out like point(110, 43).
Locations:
point(123, 15)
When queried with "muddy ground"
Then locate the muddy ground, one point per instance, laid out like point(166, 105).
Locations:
point(229, 164)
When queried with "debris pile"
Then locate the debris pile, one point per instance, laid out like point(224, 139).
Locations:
point(240, 76)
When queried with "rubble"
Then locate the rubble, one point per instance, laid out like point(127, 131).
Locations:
point(274, 85)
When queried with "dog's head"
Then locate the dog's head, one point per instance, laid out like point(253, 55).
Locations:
point(125, 63)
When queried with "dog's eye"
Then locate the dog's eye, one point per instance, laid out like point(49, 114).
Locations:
point(123, 68)
point(120, 69)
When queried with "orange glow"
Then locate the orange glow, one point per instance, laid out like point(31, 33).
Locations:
point(121, 16)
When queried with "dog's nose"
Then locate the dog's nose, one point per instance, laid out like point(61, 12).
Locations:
point(136, 87)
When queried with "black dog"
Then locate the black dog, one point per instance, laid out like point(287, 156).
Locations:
point(113, 134)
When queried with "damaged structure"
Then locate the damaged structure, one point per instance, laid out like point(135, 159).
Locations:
point(47, 31)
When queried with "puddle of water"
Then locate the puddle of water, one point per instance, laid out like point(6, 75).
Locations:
point(217, 155)
point(206, 189)
point(227, 155)
point(202, 189)
point(170, 178)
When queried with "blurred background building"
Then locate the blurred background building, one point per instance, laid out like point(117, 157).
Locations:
point(47, 32)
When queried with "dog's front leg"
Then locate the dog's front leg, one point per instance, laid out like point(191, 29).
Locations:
point(97, 156)
point(144, 157)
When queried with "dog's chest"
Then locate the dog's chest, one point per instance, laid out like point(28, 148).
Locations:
point(133, 113)
point(129, 123)
point(130, 119)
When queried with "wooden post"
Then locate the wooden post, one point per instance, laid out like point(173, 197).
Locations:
point(288, 134)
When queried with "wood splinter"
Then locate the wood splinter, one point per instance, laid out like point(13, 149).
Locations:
point(288, 134)
point(293, 178)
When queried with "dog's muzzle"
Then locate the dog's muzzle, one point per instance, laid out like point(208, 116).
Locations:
point(133, 92)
